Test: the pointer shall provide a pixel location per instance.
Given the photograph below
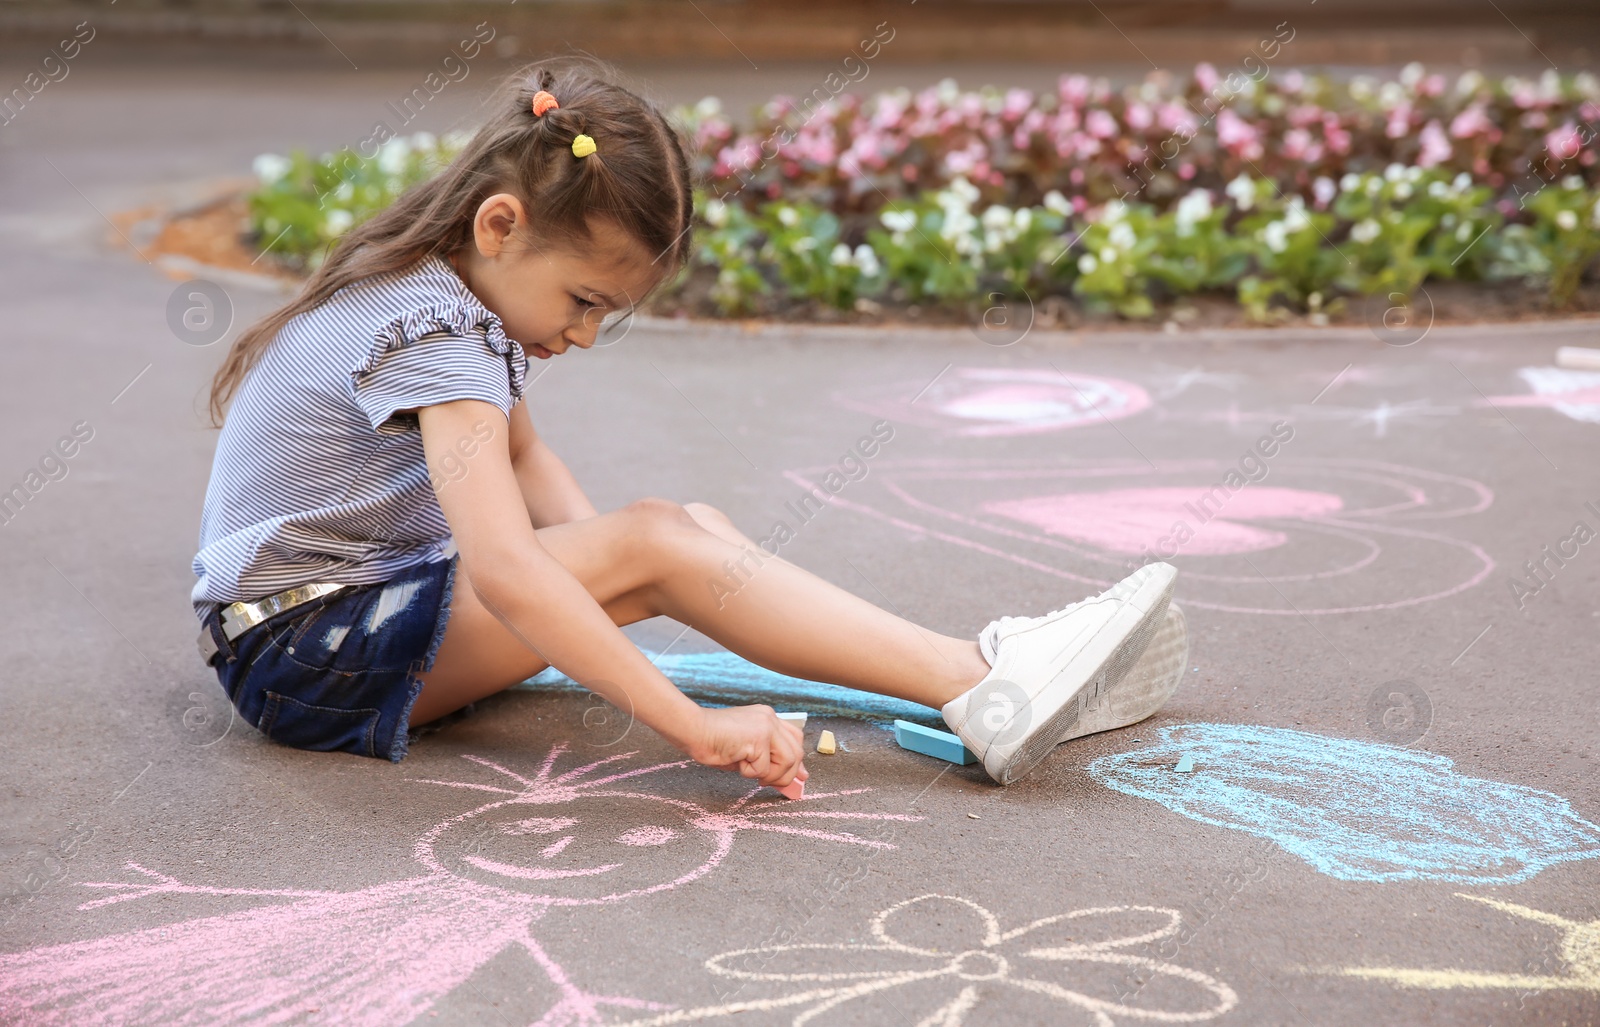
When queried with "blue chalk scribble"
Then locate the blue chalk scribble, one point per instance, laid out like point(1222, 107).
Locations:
point(727, 679)
point(1358, 811)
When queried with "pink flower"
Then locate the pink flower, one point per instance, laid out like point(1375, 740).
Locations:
point(1017, 103)
point(1186, 171)
point(1535, 119)
point(1399, 125)
point(1074, 89)
point(1564, 142)
point(1470, 122)
point(1079, 204)
point(1433, 85)
point(1293, 81)
point(1138, 116)
point(1100, 124)
point(1205, 76)
point(1173, 116)
point(1524, 95)
point(1304, 114)
point(1296, 142)
point(1238, 136)
point(908, 172)
point(1435, 145)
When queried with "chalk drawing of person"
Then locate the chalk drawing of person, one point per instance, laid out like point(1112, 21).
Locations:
point(935, 958)
point(385, 954)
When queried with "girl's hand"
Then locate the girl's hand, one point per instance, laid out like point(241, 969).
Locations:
point(752, 740)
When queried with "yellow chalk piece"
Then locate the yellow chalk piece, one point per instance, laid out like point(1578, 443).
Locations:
point(826, 744)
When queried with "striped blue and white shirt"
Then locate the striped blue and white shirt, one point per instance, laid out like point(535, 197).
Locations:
point(316, 478)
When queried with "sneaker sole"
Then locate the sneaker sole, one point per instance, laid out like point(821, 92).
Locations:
point(1146, 688)
point(1043, 738)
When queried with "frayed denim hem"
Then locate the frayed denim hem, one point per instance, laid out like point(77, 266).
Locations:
point(402, 741)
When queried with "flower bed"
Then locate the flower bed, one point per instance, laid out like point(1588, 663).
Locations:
point(1288, 193)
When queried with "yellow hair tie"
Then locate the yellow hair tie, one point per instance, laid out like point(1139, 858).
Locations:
point(582, 146)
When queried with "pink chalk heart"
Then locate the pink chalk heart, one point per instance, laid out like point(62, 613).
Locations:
point(1129, 520)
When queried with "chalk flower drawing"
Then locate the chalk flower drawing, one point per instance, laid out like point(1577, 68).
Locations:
point(1358, 811)
point(383, 955)
point(1580, 951)
point(935, 958)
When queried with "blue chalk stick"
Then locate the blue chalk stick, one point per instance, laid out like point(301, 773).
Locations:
point(940, 744)
point(1185, 764)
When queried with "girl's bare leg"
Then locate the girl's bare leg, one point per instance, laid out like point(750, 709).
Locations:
point(656, 558)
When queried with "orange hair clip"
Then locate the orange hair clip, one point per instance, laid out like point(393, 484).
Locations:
point(543, 101)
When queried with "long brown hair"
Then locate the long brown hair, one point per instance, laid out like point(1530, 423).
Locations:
point(639, 178)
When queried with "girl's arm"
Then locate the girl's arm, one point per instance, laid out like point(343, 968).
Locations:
point(549, 490)
point(549, 610)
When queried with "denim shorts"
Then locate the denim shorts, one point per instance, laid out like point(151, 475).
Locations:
point(340, 673)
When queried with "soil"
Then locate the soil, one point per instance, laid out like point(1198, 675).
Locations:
point(216, 233)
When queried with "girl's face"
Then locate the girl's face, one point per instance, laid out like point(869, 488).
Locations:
point(555, 297)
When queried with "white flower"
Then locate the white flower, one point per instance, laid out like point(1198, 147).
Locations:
point(788, 217)
point(840, 257)
point(1391, 94)
point(269, 167)
point(1438, 189)
point(1468, 83)
point(1594, 215)
point(1361, 87)
point(867, 261)
point(1242, 191)
point(960, 189)
point(338, 221)
point(1374, 185)
point(424, 141)
point(345, 191)
point(1567, 220)
point(899, 220)
point(1295, 218)
point(1108, 255)
point(1402, 191)
point(1276, 236)
point(1324, 190)
point(1394, 172)
point(392, 155)
point(1121, 236)
point(992, 241)
point(1464, 232)
point(1572, 183)
point(805, 244)
point(1193, 208)
point(1365, 231)
point(1087, 264)
point(1585, 84)
point(716, 213)
point(1350, 182)
point(997, 217)
point(1411, 74)
point(1114, 211)
point(1462, 182)
point(709, 107)
point(1021, 220)
point(456, 140)
point(947, 91)
point(1056, 203)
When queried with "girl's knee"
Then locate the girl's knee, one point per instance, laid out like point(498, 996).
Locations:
point(708, 516)
point(654, 516)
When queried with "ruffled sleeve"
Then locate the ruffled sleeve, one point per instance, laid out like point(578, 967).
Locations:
point(435, 354)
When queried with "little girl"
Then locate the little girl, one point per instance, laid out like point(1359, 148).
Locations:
point(386, 539)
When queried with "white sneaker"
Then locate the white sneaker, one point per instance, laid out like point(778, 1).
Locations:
point(1141, 692)
point(1044, 667)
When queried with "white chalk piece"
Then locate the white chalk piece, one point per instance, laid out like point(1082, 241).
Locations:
point(1185, 764)
point(1578, 357)
point(798, 718)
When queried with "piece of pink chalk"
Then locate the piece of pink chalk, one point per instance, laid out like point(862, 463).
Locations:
point(795, 789)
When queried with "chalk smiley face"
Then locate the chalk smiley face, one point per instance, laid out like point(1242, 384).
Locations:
point(579, 850)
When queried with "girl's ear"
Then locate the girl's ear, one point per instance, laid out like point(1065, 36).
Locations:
point(499, 220)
